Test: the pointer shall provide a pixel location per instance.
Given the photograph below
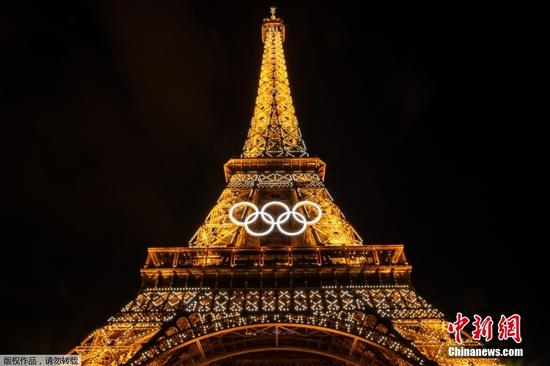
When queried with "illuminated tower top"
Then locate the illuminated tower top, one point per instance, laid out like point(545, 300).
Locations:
point(275, 194)
point(274, 130)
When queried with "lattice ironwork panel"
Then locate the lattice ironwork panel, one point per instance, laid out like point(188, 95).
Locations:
point(392, 302)
point(333, 228)
point(217, 230)
point(274, 130)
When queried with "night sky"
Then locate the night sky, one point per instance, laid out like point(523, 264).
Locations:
point(117, 117)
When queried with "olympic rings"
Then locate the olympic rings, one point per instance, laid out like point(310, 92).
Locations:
point(271, 221)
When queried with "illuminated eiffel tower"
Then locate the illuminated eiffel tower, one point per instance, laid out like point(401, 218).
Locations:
point(275, 275)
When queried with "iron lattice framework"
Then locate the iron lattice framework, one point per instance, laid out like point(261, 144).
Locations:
point(231, 298)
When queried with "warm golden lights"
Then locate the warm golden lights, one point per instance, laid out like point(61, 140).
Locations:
point(312, 287)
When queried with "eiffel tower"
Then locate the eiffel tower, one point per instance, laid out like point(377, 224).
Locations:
point(275, 275)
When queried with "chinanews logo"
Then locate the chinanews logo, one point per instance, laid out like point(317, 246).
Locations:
point(508, 328)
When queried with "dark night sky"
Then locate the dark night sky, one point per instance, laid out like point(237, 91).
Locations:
point(117, 117)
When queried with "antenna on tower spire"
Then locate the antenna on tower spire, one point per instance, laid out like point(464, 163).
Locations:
point(273, 9)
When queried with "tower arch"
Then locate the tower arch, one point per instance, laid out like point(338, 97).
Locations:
point(227, 341)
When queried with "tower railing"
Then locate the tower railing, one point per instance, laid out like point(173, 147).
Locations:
point(275, 257)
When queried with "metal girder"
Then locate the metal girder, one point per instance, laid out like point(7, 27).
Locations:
point(275, 337)
point(274, 130)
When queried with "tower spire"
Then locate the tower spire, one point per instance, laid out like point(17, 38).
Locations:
point(274, 130)
point(274, 166)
